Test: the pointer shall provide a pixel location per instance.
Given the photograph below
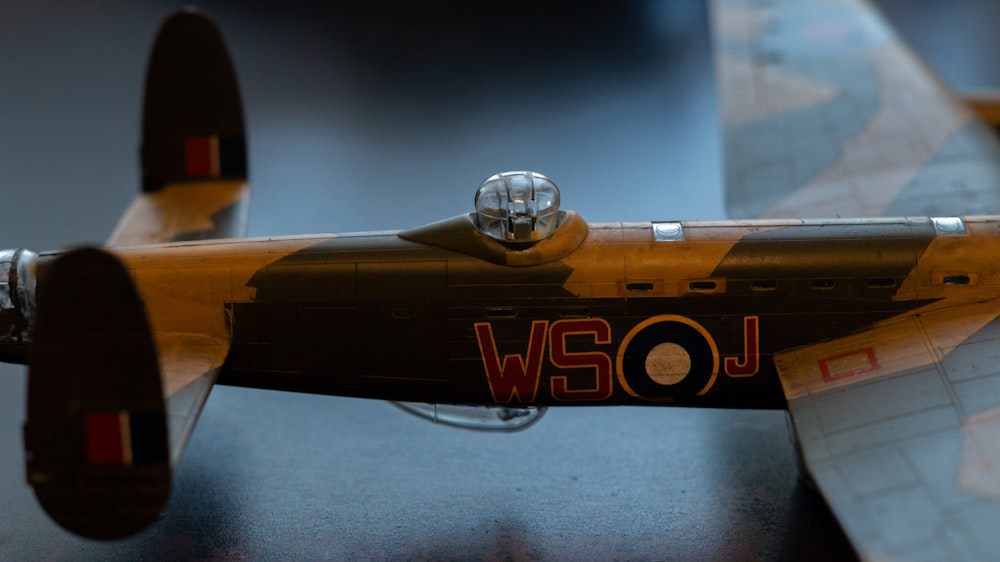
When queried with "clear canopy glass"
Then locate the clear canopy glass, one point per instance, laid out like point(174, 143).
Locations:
point(517, 207)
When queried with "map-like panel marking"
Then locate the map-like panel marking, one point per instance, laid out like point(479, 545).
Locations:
point(892, 149)
point(826, 114)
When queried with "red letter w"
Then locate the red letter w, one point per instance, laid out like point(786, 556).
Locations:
point(513, 377)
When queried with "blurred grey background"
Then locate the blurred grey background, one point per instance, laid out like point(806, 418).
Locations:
point(385, 115)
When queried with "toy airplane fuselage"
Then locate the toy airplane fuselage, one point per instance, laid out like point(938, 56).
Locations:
point(685, 313)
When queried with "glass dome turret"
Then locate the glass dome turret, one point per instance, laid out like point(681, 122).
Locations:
point(517, 207)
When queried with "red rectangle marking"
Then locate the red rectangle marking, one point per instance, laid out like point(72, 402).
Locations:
point(850, 364)
point(201, 157)
point(109, 440)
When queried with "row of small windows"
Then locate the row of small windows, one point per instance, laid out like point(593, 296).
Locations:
point(646, 287)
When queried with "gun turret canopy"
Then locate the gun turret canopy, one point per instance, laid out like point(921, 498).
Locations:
point(517, 207)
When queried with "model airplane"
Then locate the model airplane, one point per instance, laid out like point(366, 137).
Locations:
point(876, 333)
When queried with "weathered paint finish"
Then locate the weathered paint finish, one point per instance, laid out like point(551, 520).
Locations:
point(381, 316)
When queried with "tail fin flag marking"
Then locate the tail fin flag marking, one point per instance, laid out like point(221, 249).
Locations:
point(214, 157)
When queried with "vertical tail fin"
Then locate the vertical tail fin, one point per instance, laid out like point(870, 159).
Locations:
point(192, 125)
point(96, 437)
point(193, 155)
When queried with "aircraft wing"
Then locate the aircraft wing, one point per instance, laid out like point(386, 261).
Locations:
point(826, 113)
point(899, 426)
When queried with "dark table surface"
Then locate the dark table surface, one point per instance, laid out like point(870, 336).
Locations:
point(368, 119)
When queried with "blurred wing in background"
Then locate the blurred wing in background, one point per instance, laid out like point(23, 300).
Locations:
point(826, 113)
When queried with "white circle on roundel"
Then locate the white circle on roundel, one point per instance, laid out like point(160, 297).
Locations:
point(668, 363)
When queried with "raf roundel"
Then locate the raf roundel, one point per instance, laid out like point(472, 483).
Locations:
point(667, 356)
